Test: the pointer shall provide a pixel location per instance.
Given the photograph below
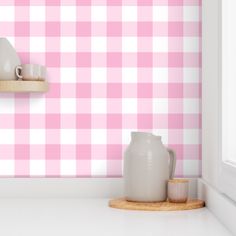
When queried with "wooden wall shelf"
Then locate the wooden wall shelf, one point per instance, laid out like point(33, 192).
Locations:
point(19, 86)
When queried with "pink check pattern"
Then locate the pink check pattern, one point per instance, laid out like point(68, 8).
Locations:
point(114, 66)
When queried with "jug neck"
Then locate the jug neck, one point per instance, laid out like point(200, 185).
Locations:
point(145, 137)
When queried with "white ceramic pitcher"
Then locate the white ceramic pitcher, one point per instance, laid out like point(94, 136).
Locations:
point(148, 165)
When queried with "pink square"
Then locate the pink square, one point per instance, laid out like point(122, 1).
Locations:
point(175, 13)
point(145, 13)
point(192, 121)
point(37, 58)
point(160, 121)
point(191, 152)
point(22, 168)
point(83, 90)
point(175, 90)
point(53, 152)
point(175, 136)
point(99, 90)
point(114, 29)
point(192, 59)
point(175, 2)
point(7, 152)
point(175, 105)
point(83, 29)
point(114, 2)
point(178, 148)
point(114, 168)
point(145, 90)
point(83, 136)
point(99, 152)
point(98, 121)
point(22, 2)
point(22, 121)
point(52, 121)
point(68, 91)
point(83, 2)
point(53, 168)
point(145, 105)
point(99, 59)
point(37, 121)
point(53, 59)
point(145, 121)
point(83, 168)
point(160, 59)
point(175, 75)
point(22, 29)
point(160, 29)
point(192, 29)
point(37, 29)
point(144, 2)
point(129, 59)
point(7, 121)
point(83, 121)
point(145, 59)
point(83, 59)
point(83, 105)
point(52, 2)
point(175, 59)
point(114, 90)
point(175, 29)
point(68, 59)
point(68, 29)
point(114, 59)
point(129, 29)
point(68, 121)
point(129, 90)
point(52, 44)
point(83, 151)
point(53, 13)
point(7, 28)
point(83, 13)
point(83, 44)
point(144, 29)
point(37, 152)
point(21, 13)
point(114, 121)
point(114, 14)
point(115, 136)
point(114, 75)
point(22, 152)
point(145, 44)
point(175, 44)
point(52, 136)
point(129, 121)
point(68, 152)
point(113, 105)
point(54, 91)
point(22, 136)
point(53, 29)
point(114, 152)
point(192, 90)
point(175, 121)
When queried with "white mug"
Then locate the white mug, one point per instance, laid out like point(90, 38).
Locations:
point(31, 72)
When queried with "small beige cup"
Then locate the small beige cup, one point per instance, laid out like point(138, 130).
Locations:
point(31, 72)
point(178, 190)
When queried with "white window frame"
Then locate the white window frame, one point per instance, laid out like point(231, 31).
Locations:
point(227, 170)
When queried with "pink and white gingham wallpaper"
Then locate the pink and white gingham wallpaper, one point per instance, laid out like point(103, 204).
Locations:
point(114, 66)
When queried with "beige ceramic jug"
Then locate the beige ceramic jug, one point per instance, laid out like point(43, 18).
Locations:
point(148, 165)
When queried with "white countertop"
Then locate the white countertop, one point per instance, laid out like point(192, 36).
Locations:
point(90, 217)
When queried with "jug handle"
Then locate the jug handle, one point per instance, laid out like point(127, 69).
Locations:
point(172, 162)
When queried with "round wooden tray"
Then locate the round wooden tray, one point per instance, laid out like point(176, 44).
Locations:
point(121, 203)
point(23, 86)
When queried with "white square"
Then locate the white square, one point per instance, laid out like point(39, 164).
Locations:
point(191, 13)
point(68, 44)
point(160, 105)
point(129, 106)
point(164, 135)
point(68, 167)
point(98, 75)
point(99, 136)
point(99, 167)
point(129, 13)
point(191, 167)
point(191, 75)
point(7, 106)
point(191, 136)
point(7, 13)
point(7, 167)
point(37, 136)
point(98, 44)
point(98, 13)
point(37, 167)
point(191, 44)
point(37, 44)
point(68, 75)
point(37, 13)
point(191, 106)
point(68, 13)
point(126, 136)
point(68, 105)
point(7, 136)
point(129, 75)
point(98, 106)
point(129, 44)
point(160, 13)
point(160, 75)
point(37, 105)
point(68, 136)
point(160, 44)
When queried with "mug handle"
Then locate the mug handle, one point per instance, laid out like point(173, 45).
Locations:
point(172, 162)
point(17, 70)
